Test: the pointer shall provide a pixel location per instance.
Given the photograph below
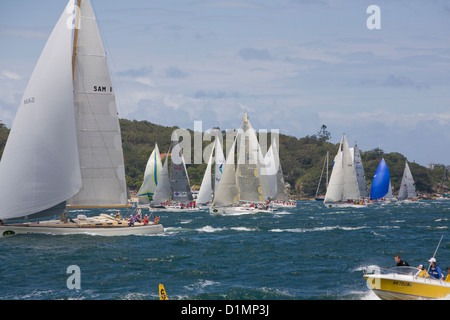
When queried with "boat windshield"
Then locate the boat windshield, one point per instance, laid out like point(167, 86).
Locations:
point(411, 271)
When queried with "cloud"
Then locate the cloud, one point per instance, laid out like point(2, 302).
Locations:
point(404, 82)
point(394, 132)
point(255, 54)
point(219, 94)
point(175, 73)
point(134, 73)
point(10, 75)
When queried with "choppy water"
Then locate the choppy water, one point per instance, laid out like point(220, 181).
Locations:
point(310, 252)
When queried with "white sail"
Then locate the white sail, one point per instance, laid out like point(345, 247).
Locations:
point(343, 184)
point(269, 174)
point(336, 183)
point(220, 161)
point(98, 130)
point(282, 193)
point(151, 177)
point(249, 157)
point(226, 193)
point(162, 192)
point(389, 194)
point(351, 189)
point(205, 195)
point(407, 187)
point(39, 167)
point(360, 175)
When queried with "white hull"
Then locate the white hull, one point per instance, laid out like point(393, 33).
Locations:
point(237, 210)
point(100, 225)
point(173, 209)
point(282, 206)
point(344, 205)
point(112, 231)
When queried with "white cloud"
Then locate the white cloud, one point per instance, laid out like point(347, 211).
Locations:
point(10, 75)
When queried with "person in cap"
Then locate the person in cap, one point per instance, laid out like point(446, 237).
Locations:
point(423, 273)
point(434, 270)
point(447, 279)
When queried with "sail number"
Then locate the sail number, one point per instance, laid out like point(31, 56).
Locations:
point(29, 100)
point(101, 89)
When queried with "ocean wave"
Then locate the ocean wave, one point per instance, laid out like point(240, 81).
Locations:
point(300, 230)
point(243, 229)
point(209, 229)
point(200, 285)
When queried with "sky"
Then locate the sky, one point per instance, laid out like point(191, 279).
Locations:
point(292, 65)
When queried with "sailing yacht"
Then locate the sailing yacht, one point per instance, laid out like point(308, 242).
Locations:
point(173, 193)
point(381, 190)
point(65, 145)
point(272, 174)
point(240, 189)
point(407, 190)
point(151, 177)
point(343, 190)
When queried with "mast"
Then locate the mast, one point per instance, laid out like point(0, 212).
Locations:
point(75, 38)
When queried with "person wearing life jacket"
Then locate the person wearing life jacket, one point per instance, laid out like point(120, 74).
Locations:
point(434, 270)
point(423, 273)
point(447, 279)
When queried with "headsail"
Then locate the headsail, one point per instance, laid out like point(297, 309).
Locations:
point(226, 192)
point(381, 181)
point(98, 130)
point(39, 168)
point(151, 177)
point(407, 187)
point(220, 162)
point(359, 168)
point(162, 192)
point(205, 195)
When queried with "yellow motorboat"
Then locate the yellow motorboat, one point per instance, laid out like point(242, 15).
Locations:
point(405, 283)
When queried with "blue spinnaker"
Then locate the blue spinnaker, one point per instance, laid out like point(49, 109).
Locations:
point(380, 183)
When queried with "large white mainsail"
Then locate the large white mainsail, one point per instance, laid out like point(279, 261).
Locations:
point(407, 187)
point(98, 130)
point(40, 167)
point(151, 177)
